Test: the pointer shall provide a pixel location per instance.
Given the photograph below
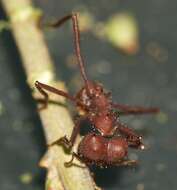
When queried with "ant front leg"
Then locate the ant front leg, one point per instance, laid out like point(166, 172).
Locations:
point(42, 87)
point(126, 110)
point(46, 97)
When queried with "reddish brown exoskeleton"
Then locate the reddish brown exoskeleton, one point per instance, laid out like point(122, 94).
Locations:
point(99, 110)
point(99, 150)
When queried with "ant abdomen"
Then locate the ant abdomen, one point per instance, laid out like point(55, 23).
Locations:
point(93, 147)
point(117, 149)
point(99, 150)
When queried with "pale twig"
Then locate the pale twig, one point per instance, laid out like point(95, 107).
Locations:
point(55, 119)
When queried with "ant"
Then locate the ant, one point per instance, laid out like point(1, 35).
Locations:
point(110, 145)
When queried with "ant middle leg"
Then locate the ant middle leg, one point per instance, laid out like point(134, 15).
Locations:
point(74, 155)
point(126, 110)
point(68, 143)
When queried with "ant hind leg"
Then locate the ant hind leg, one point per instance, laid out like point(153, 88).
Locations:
point(134, 140)
point(128, 163)
point(62, 141)
point(74, 155)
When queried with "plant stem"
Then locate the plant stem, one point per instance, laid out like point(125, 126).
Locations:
point(55, 119)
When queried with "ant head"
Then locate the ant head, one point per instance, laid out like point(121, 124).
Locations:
point(117, 149)
point(92, 96)
point(95, 89)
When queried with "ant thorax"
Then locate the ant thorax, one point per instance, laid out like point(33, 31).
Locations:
point(104, 122)
point(96, 149)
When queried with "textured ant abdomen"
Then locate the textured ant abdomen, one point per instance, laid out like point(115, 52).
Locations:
point(93, 147)
point(102, 151)
point(117, 149)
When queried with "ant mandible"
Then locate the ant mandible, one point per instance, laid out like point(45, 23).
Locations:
point(96, 104)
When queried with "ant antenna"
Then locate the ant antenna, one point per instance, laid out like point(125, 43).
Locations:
point(73, 16)
point(77, 47)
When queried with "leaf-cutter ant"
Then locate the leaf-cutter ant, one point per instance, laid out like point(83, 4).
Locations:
point(110, 145)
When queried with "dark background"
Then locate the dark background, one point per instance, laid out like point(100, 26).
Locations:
point(143, 79)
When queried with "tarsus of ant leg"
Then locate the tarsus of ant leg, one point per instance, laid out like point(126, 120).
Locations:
point(125, 109)
point(76, 41)
point(74, 155)
point(58, 22)
point(42, 86)
point(68, 143)
point(46, 97)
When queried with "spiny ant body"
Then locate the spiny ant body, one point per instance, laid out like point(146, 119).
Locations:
point(98, 109)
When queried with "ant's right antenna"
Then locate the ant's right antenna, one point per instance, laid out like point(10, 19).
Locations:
point(77, 47)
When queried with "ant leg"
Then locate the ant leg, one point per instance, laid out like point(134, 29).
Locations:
point(46, 97)
point(62, 141)
point(74, 155)
point(128, 163)
point(76, 129)
point(58, 23)
point(42, 87)
point(68, 143)
point(126, 110)
point(133, 139)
